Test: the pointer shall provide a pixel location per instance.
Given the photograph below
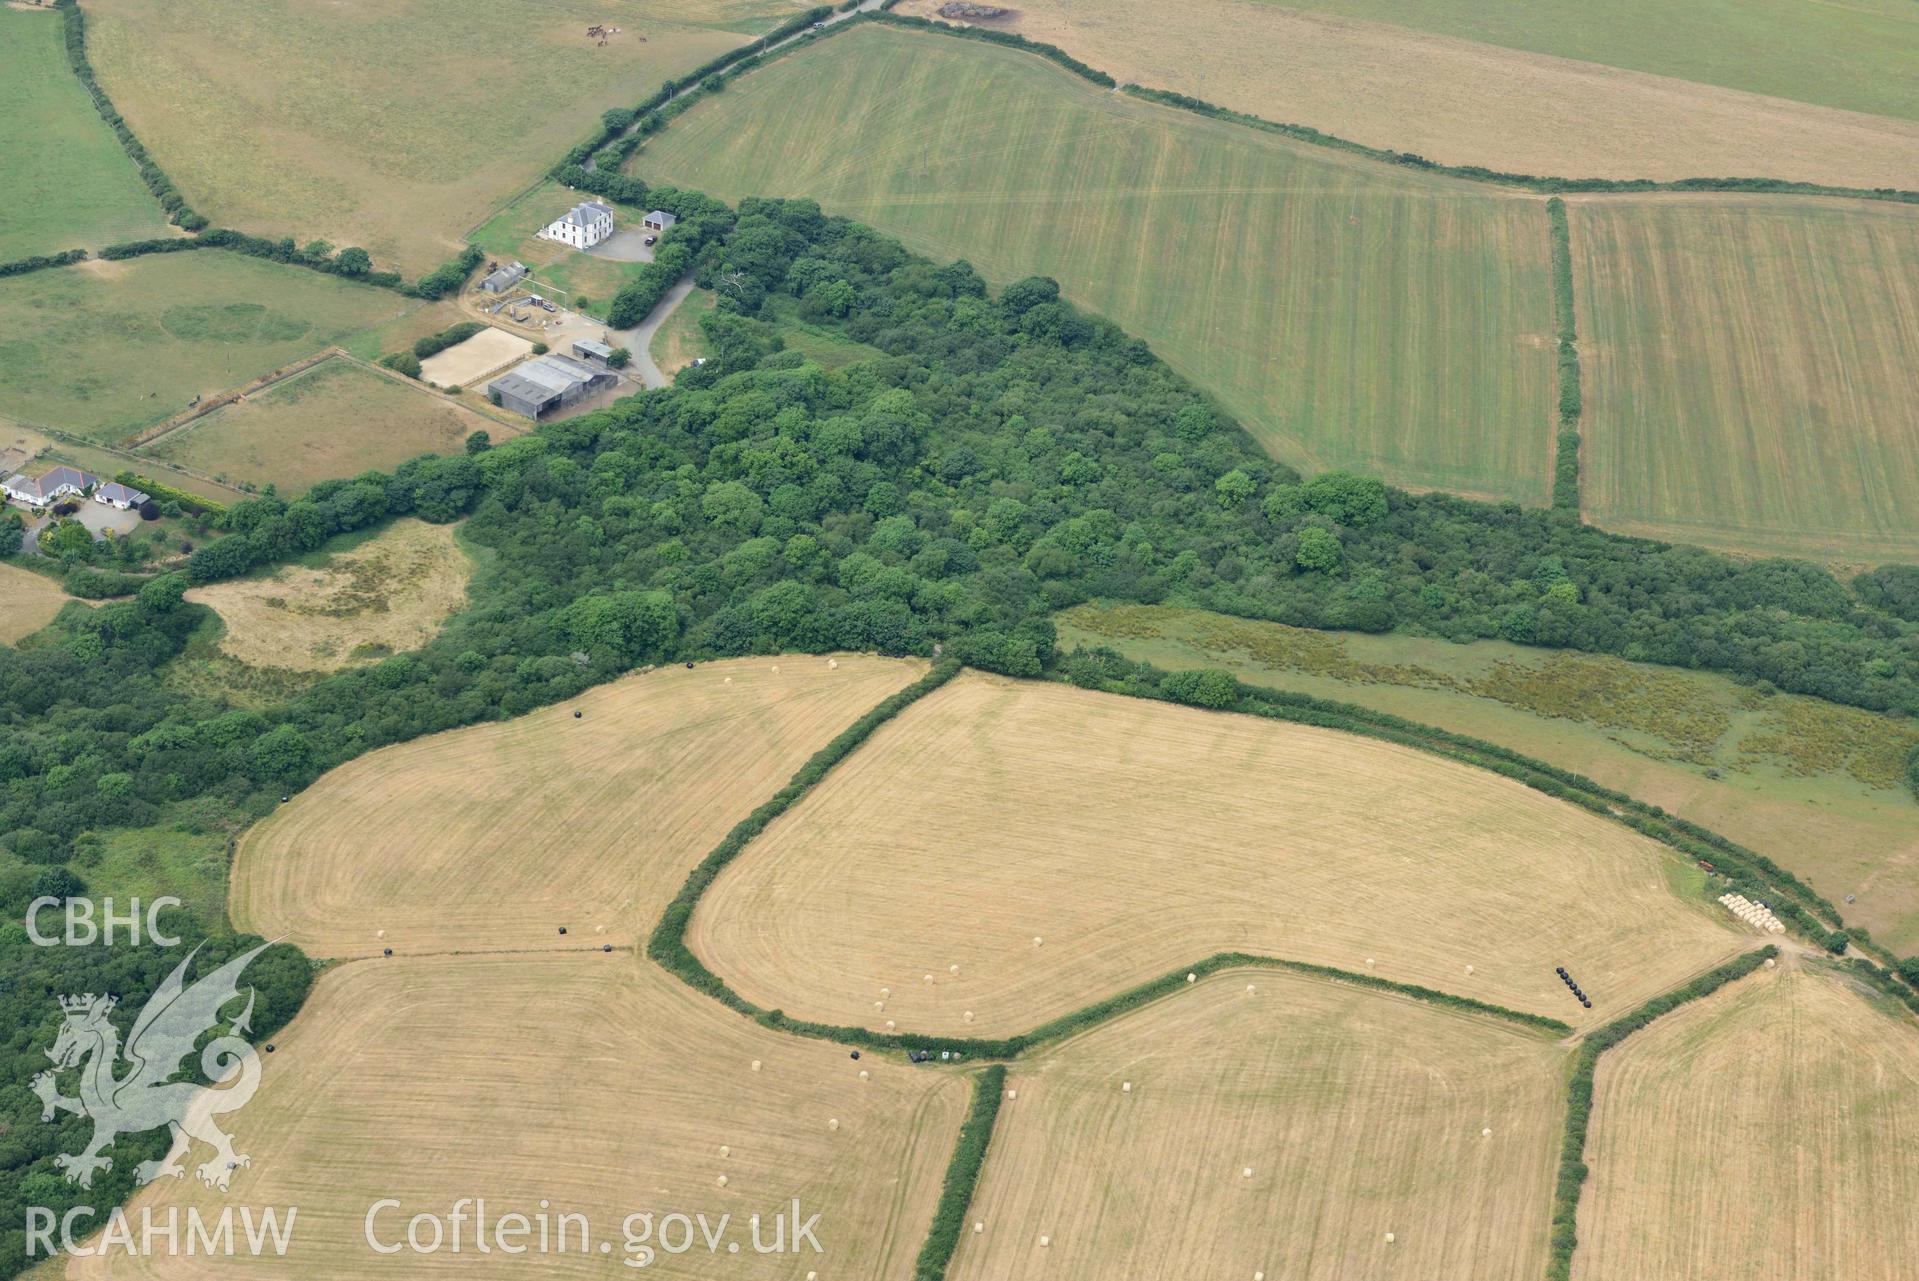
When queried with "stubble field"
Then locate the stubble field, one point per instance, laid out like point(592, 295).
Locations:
point(498, 835)
point(1348, 313)
point(1463, 102)
point(32, 601)
point(1771, 1130)
point(586, 1084)
point(1358, 1114)
point(1748, 372)
point(1058, 846)
point(335, 419)
point(392, 126)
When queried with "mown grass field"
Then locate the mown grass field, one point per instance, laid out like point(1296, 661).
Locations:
point(394, 126)
point(1812, 785)
point(499, 834)
point(582, 1084)
point(1464, 102)
point(1858, 55)
point(335, 419)
point(1133, 837)
point(1358, 1113)
point(1348, 313)
point(104, 349)
point(1749, 373)
point(1770, 1130)
point(69, 185)
point(385, 595)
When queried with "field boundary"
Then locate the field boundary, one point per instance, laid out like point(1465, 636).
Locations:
point(220, 400)
point(1566, 440)
point(962, 1176)
point(1571, 1181)
point(1543, 185)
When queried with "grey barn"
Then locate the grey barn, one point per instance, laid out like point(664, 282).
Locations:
point(547, 383)
point(504, 278)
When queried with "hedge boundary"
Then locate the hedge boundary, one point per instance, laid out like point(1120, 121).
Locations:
point(1545, 185)
point(667, 944)
point(962, 1175)
point(1571, 397)
point(40, 262)
point(179, 212)
point(1571, 1181)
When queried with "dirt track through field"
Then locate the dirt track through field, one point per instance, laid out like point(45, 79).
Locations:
point(1358, 1114)
point(1132, 837)
point(588, 1084)
point(1770, 1130)
point(497, 835)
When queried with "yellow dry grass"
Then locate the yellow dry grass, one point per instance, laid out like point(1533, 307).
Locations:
point(387, 595)
point(1770, 1130)
point(595, 1082)
point(1466, 103)
point(1134, 837)
point(498, 835)
point(31, 602)
point(1358, 1113)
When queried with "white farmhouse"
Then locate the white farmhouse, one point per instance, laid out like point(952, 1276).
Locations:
point(583, 226)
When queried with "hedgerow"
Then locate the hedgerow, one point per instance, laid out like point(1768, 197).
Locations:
point(1571, 1180)
point(1566, 455)
point(40, 262)
point(962, 1174)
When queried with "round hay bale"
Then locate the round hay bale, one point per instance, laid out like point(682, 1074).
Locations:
point(833, 1124)
point(969, 1016)
point(1045, 1241)
point(929, 978)
point(776, 670)
point(863, 1074)
point(1486, 1133)
point(1191, 977)
point(886, 991)
point(1012, 1094)
point(722, 1180)
point(952, 969)
point(890, 1025)
point(756, 1065)
point(978, 1226)
point(1246, 1173)
point(879, 1005)
point(1769, 964)
point(1125, 1087)
point(1369, 962)
point(387, 951)
point(727, 681)
point(1037, 940)
point(380, 935)
point(725, 1150)
point(833, 664)
point(1469, 969)
point(1250, 989)
point(1390, 1238)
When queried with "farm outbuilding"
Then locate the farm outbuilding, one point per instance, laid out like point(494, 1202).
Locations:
point(504, 278)
point(114, 494)
point(588, 349)
point(659, 220)
point(547, 383)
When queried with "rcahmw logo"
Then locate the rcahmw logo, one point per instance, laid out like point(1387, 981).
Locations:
point(145, 1097)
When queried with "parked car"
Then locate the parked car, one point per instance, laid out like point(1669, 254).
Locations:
point(651, 240)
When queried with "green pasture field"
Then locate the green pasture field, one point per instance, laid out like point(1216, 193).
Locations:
point(103, 349)
point(1858, 55)
point(68, 184)
point(395, 126)
point(335, 419)
point(1812, 785)
point(1750, 372)
point(1349, 314)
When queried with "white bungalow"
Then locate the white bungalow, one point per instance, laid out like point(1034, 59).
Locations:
point(583, 226)
point(114, 494)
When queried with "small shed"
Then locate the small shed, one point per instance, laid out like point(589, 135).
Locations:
point(503, 279)
point(659, 220)
point(588, 349)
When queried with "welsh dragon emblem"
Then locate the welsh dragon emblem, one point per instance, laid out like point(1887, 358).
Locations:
point(146, 1097)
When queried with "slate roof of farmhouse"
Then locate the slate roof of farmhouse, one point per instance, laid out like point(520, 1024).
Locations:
point(584, 214)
